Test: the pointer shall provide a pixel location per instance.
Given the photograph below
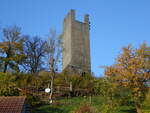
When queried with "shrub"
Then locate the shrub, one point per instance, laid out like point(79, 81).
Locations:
point(8, 85)
point(146, 103)
point(85, 108)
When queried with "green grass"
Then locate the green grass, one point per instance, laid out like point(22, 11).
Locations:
point(68, 105)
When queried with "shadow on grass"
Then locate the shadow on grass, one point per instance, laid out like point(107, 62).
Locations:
point(129, 111)
point(46, 108)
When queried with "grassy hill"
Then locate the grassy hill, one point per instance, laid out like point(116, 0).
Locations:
point(69, 105)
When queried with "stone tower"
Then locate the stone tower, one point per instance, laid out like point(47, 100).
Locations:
point(76, 44)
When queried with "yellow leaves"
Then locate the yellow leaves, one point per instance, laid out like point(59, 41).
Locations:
point(4, 46)
point(136, 93)
point(136, 89)
point(111, 71)
point(131, 68)
point(125, 83)
point(11, 54)
point(10, 46)
point(146, 76)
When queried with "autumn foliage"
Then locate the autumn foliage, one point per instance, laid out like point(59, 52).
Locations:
point(132, 70)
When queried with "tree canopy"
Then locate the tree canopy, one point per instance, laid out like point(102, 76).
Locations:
point(132, 70)
point(11, 49)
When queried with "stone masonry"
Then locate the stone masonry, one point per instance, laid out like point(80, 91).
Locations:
point(76, 44)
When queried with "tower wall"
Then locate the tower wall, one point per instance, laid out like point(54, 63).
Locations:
point(76, 53)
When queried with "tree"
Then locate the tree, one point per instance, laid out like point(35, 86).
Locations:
point(11, 48)
point(35, 52)
point(132, 70)
point(53, 50)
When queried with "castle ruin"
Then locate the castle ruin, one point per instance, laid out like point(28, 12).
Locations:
point(76, 44)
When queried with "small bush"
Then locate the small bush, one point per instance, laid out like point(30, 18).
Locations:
point(32, 100)
point(146, 104)
point(86, 108)
point(8, 86)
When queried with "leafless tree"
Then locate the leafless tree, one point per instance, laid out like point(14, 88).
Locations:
point(34, 51)
point(53, 49)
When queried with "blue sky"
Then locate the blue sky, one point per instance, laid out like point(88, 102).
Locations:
point(114, 23)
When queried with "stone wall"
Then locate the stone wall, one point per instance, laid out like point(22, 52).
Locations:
point(76, 43)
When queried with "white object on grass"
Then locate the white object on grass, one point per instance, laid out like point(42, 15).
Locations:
point(47, 90)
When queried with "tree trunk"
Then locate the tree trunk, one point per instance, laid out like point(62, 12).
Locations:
point(5, 67)
point(52, 79)
point(138, 107)
point(51, 92)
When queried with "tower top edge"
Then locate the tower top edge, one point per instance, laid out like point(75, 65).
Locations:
point(72, 16)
